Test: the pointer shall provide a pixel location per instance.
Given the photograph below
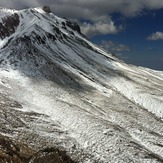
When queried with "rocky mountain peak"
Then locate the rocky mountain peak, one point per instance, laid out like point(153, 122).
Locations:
point(46, 9)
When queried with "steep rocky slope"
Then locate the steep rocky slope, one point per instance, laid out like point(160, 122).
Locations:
point(64, 98)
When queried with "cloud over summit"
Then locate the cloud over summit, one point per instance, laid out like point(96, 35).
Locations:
point(98, 12)
point(88, 9)
point(101, 27)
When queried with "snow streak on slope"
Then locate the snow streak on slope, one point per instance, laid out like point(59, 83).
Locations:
point(106, 110)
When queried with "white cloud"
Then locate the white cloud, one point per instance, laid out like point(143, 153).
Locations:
point(155, 36)
point(101, 27)
point(96, 11)
point(19, 4)
point(114, 47)
point(88, 8)
point(104, 7)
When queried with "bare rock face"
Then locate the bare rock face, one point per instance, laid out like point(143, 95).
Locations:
point(73, 25)
point(46, 9)
point(51, 155)
point(13, 151)
point(8, 25)
point(16, 152)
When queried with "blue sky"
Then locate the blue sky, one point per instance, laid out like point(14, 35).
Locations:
point(132, 29)
point(141, 50)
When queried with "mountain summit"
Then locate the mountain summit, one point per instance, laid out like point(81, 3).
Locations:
point(64, 98)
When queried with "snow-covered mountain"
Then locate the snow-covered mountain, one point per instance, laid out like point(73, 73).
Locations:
point(60, 91)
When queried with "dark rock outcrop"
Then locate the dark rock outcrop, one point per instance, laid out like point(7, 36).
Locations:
point(46, 9)
point(51, 155)
point(9, 25)
point(12, 151)
point(73, 25)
